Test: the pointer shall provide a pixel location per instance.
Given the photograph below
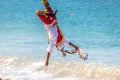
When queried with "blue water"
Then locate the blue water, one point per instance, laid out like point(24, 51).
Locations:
point(95, 27)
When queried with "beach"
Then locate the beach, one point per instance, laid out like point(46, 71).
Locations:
point(21, 69)
point(92, 25)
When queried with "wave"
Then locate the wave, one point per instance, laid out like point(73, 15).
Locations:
point(29, 68)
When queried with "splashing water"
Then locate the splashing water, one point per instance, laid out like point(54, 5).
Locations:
point(16, 68)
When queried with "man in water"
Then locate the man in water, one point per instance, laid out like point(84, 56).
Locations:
point(55, 36)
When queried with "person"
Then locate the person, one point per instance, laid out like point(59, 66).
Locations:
point(55, 36)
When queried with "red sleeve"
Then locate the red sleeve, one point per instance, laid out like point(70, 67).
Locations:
point(46, 20)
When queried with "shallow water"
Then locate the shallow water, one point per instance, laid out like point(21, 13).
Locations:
point(20, 68)
point(95, 27)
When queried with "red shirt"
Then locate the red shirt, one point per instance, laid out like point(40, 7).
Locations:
point(47, 19)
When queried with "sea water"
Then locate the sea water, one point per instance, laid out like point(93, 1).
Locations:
point(93, 25)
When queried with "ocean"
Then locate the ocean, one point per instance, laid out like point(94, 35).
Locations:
point(93, 25)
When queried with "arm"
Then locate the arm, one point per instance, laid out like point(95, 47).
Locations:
point(49, 11)
point(46, 4)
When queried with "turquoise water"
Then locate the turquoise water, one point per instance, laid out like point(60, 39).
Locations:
point(95, 27)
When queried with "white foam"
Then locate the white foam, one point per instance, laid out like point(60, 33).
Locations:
point(57, 70)
point(37, 64)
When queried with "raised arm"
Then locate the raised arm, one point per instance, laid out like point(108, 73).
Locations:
point(46, 4)
point(48, 9)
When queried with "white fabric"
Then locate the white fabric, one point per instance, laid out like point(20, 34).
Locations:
point(52, 45)
point(53, 34)
point(64, 43)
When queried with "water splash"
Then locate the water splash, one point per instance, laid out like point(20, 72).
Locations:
point(17, 68)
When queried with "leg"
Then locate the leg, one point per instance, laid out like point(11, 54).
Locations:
point(62, 50)
point(49, 51)
point(76, 47)
point(64, 43)
point(83, 55)
point(47, 59)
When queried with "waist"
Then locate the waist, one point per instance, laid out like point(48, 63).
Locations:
point(50, 26)
point(53, 24)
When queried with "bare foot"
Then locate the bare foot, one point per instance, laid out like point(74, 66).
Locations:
point(64, 54)
point(46, 64)
point(75, 50)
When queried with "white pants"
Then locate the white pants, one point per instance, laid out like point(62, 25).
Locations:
point(52, 45)
point(53, 35)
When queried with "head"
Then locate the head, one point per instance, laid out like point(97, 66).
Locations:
point(40, 12)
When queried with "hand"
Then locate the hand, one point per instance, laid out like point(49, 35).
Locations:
point(44, 1)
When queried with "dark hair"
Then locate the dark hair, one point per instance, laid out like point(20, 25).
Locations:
point(52, 14)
